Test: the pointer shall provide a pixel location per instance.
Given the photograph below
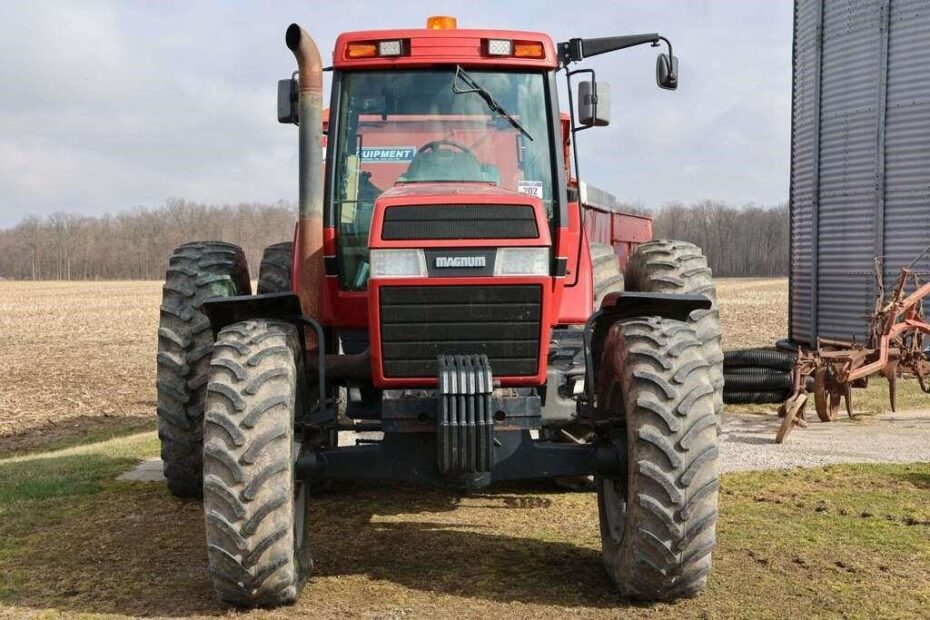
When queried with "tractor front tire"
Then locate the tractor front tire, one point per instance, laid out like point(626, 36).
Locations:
point(196, 271)
point(274, 274)
point(255, 508)
point(681, 267)
point(658, 521)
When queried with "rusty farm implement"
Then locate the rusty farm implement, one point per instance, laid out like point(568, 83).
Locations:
point(895, 347)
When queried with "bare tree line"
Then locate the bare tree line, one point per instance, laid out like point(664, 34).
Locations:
point(135, 244)
point(738, 241)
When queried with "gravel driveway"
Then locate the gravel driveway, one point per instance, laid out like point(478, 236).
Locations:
point(748, 441)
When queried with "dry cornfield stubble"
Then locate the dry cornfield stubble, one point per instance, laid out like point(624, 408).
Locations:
point(75, 357)
point(753, 312)
point(79, 357)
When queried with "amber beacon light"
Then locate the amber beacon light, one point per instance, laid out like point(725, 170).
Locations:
point(441, 22)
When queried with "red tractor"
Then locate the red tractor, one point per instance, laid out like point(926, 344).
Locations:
point(453, 287)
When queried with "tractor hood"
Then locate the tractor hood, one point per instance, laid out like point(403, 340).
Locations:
point(475, 191)
point(468, 214)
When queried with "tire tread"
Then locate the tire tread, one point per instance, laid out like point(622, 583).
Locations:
point(662, 548)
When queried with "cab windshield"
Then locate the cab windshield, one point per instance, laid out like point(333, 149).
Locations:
point(434, 126)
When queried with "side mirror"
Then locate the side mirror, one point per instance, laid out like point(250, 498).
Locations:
point(287, 101)
point(667, 72)
point(594, 104)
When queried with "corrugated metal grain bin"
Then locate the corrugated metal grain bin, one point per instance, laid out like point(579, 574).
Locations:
point(860, 157)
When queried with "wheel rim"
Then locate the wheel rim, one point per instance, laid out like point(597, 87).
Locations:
point(300, 504)
point(615, 508)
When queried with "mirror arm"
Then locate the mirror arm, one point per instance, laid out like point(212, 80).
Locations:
point(569, 74)
point(577, 49)
point(667, 43)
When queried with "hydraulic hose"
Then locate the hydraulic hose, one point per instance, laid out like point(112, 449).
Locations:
point(756, 382)
point(754, 397)
point(767, 358)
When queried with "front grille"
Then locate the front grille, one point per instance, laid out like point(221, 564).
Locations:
point(459, 222)
point(419, 323)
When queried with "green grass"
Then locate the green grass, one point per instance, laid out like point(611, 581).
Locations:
point(74, 432)
point(867, 402)
point(850, 540)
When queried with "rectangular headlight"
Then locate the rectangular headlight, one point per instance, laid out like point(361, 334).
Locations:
point(398, 264)
point(390, 48)
point(522, 262)
point(500, 47)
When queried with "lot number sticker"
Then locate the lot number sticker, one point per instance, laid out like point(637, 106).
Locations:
point(530, 188)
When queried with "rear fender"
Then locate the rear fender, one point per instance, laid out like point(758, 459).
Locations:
point(625, 305)
point(223, 311)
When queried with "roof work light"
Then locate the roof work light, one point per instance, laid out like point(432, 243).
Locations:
point(517, 49)
point(441, 22)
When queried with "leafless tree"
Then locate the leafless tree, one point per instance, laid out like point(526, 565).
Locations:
point(738, 241)
point(135, 244)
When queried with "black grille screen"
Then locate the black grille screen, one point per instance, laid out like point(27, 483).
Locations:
point(420, 322)
point(459, 222)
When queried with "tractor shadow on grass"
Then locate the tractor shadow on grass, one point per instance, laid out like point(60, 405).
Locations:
point(492, 547)
point(80, 542)
point(73, 540)
point(58, 434)
point(919, 478)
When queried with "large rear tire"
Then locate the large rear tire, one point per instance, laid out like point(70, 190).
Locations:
point(274, 274)
point(195, 272)
point(658, 521)
point(255, 508)
point(681, 267)
point(606, 272)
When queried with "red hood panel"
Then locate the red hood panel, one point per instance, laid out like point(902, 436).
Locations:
point(458, 192)
point(443, 195)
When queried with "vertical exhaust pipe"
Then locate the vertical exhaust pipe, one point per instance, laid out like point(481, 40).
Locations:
point(309, 250)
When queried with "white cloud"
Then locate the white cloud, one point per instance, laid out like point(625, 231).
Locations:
point(106, 105)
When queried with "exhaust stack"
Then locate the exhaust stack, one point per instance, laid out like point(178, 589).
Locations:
point(309, 250)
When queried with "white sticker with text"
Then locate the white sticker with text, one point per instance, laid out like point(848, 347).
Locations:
point(530, 188)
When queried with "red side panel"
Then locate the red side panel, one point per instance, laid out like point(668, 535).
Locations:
point(577, 298)
point(597, 225)
point(341, 308)
point(628, 231)
point(623, 231)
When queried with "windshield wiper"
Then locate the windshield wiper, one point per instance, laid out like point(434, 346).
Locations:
point(475, 87)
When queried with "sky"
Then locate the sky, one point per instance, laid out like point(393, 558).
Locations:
point(108, 105)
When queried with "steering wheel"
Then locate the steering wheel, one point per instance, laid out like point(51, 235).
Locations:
point(435, 144)
point(432, 161)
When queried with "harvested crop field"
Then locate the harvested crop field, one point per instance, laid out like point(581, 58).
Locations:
point(77, 368)
point(753, 312)
point(77, 359)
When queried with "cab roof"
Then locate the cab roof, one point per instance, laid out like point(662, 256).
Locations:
point(427, 47)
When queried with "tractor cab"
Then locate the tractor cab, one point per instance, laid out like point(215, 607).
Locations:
point(433, 131)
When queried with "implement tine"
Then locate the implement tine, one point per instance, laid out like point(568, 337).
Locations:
point(847, 396)
point(891, 373)
point(820, 394)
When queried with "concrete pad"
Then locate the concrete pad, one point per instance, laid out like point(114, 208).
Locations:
point(149, 470)
point(748, 441)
